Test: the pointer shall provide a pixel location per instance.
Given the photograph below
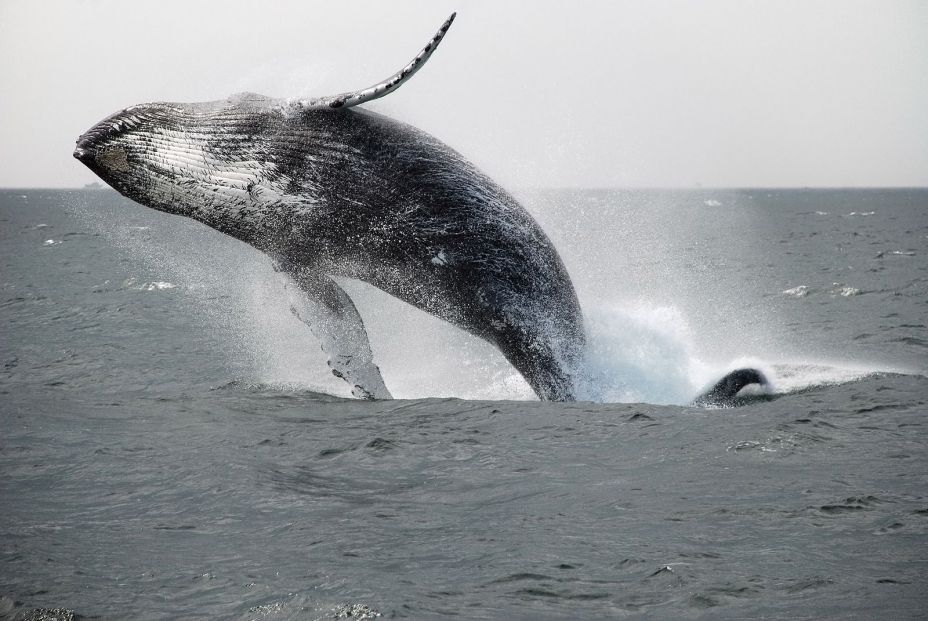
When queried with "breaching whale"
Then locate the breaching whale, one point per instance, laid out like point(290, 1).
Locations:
point(328, 189)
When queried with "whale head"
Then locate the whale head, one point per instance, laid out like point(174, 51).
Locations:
point(234, 160)
point(188, 159)
point(110, 150)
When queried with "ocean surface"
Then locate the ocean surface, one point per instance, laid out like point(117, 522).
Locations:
point(172, 444)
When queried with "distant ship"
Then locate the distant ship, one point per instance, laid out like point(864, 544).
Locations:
point(93, 186)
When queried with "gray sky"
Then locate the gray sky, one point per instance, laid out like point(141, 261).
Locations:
point(657, 93)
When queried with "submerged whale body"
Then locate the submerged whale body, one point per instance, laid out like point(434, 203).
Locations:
point(724, 393)
point(328, 189)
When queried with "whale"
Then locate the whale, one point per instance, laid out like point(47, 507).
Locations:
point(725, 392)
point(328, 189)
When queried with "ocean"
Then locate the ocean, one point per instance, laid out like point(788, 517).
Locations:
point(173, 445)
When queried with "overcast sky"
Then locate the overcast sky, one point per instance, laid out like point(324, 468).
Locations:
point(656, 93)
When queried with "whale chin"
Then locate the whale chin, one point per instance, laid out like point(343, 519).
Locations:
point(725, 392)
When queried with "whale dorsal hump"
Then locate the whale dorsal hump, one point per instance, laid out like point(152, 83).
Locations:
point(346, 100)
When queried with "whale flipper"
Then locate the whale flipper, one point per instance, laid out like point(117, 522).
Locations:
point(354, 98)
point(334, 320)
point(724, 391)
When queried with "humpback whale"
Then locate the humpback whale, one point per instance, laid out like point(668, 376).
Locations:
point(724, 392)
point(329, 189)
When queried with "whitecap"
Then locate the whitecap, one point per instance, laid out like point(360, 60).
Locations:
point(51, 242)
point(155, 285)
point(797, 292)
point(158, 285)
point(844, 291)
point(712, 203)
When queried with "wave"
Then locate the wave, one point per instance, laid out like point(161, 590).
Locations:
point(837, 288)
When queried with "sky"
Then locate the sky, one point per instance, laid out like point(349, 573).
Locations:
point(662, 93)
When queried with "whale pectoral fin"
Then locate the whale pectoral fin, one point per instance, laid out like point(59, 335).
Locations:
point(723, 393)
point(334, 320)
point(354, 98)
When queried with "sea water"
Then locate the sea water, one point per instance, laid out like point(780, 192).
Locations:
point(174, 446)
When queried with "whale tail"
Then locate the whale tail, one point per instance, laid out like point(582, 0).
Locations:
point(723, 393)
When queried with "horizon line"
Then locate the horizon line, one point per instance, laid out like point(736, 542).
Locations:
point(103, 187)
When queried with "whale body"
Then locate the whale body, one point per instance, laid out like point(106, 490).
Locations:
point(328, 189)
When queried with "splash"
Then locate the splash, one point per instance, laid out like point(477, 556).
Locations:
point(233, 292)
point(648, 354)
point(638, 355)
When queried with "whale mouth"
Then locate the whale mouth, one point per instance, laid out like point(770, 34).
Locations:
point(87, 155)
point(85, 150)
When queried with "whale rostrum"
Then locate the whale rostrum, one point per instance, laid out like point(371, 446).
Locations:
point(328, 189)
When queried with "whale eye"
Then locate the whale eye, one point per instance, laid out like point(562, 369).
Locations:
point(114, 158)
